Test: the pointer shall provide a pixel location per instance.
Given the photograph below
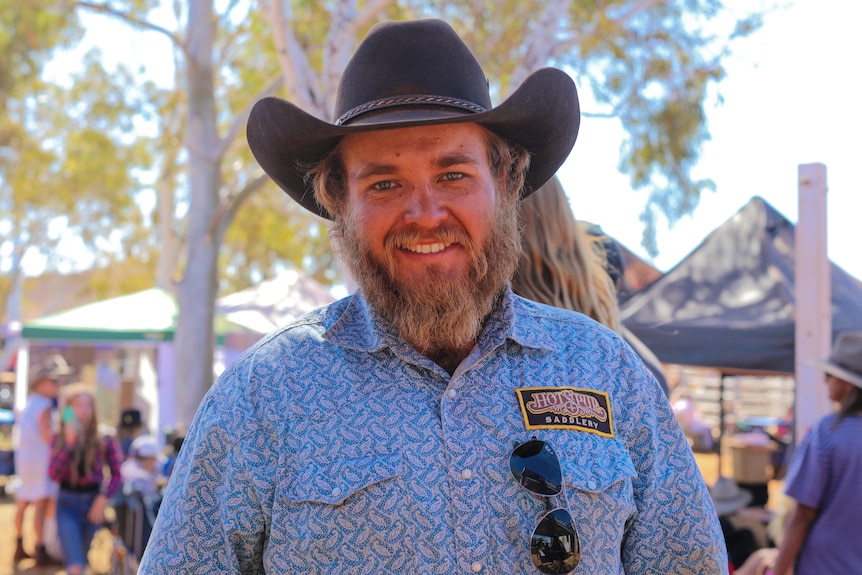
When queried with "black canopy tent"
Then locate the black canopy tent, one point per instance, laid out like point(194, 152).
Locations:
point(730, 304)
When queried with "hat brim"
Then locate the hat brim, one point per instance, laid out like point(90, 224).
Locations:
point(838, 371)
point(542, 116)
point(734, 504)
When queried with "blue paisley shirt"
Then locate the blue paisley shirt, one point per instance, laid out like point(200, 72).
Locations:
point(332, 446)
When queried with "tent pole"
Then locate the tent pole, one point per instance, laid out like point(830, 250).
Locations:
point(720, 422)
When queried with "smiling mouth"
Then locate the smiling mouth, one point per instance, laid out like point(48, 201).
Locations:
point(425, 248)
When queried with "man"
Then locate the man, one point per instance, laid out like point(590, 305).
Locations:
point(34, 432)
point(433, 422)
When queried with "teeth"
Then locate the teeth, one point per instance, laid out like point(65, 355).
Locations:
point(426, 248)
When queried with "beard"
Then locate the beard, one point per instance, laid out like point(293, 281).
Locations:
point(442, 312)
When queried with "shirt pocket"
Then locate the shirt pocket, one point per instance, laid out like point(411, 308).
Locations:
point(334, 481)
point(599, 484)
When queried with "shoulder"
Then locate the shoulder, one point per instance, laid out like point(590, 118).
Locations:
point(564, 330)
point(555, 319)
point(255, 387)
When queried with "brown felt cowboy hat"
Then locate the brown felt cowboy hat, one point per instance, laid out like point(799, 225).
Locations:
point(416, 73)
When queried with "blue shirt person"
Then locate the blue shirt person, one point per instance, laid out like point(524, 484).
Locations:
point(433, 422)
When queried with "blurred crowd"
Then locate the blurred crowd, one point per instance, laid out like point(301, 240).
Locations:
point(75, 471)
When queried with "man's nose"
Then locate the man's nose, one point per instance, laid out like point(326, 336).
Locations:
point(425, 206)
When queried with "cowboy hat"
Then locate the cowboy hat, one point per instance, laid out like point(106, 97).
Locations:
point(415, 73)
point(728, 496)
point(130, 418)
point(845, 361)
point(52, 368)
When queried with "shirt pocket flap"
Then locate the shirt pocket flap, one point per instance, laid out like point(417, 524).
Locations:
point(605, 466)
point(331, 482)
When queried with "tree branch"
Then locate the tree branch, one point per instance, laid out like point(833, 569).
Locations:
point(241, 119)
point(540, 40)
point(230, 205)
point(298, 76)
point(639, 7)
point(367, 15)
point(128, 18)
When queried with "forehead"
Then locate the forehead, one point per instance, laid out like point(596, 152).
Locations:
point(466, 139)
point(81, 399)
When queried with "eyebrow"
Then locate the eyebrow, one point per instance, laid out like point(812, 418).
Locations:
point(456, 159)
point(374, 169)
point(445, 161)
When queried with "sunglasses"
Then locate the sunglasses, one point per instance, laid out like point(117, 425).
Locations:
point(554, 546)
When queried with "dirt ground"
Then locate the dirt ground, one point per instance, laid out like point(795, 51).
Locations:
point(100, 554)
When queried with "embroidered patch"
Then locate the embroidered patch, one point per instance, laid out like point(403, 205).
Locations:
point(566, 408)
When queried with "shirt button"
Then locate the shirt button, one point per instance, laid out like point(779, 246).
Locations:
point(452, 393)
point(591, 484)
point(336, 492)
point(476, 567)
point(466, 474)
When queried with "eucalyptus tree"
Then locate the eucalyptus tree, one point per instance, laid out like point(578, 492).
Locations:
point(205, 177)
point(29, 33)
point(66, 155)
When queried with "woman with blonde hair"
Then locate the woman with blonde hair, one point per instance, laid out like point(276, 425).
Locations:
point(80, 457)
point(558, 266)
point(561, 265)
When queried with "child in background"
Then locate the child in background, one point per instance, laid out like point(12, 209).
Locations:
point(140, 470)
point(79, 460)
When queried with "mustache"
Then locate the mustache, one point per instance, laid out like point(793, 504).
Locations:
point(446, 234)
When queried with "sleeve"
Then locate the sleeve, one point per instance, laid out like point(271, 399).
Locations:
point(112, 460)
point(675, 529)
point(211, 519)
point(808, 473)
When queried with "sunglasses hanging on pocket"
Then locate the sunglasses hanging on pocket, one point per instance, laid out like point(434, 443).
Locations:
point(554, 545)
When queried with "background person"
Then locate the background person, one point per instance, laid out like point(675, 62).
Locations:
point(140, 471)
point(822, 533)
point(130, 427)
point(558, 266)
point(563, 265)
point(743, 533)
point(33, 433)
point(390, 432)
point(86, 464)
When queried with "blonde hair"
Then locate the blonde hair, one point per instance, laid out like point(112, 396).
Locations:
point(558, 265)
point(92, 443)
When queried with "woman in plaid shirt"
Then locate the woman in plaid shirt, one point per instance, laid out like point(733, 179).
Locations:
point(79, 459)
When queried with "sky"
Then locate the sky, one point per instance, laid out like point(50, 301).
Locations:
point(791, 96)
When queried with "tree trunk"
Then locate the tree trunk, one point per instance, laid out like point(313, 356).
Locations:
point(194, 338)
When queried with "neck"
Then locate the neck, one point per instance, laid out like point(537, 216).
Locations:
point(450, 358)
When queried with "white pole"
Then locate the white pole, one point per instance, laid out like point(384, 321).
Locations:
point(22, 375)
point(165, 362)
point(813, 283)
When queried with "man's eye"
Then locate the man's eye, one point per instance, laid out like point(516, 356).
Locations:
point(453, 176)
point(384, 185)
